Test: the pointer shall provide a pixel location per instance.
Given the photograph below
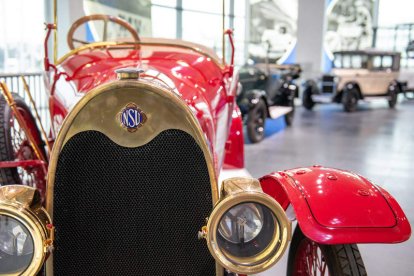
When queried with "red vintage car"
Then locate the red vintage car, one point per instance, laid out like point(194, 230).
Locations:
point(141, 131)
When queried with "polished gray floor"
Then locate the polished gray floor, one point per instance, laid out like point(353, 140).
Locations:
point(374, 141)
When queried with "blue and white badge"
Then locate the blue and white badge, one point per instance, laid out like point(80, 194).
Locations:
point(132, 117)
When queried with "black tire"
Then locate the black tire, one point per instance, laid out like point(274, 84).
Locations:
point(7, 176)
point(307, 101)
point(350, 100)
point(289, 116)
point(393, 96)
point(339, 259)
point(10, 175)
point(256, 118)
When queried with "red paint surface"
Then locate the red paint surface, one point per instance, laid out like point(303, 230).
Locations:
point(334, 211)
point(234, 155)
point(201, 83)
point(22, 163)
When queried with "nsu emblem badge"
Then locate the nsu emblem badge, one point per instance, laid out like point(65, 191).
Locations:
point(132, 117)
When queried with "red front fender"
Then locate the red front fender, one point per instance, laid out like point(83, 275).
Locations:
point(334, 206)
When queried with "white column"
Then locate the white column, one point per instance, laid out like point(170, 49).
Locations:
point(311, 29)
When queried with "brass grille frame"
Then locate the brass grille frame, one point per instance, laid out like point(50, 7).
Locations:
point(164, 109)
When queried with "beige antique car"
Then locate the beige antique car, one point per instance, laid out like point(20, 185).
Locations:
point(357, 75)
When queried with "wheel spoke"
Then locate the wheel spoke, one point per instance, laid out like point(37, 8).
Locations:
point(22, 150)
point(315, 258)
point(323, 268)
point(310, 260)
point(17, 138)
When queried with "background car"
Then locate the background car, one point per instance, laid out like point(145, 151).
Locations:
point(268, 90)
point(357, 75)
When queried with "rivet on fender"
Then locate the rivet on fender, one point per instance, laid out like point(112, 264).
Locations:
point(332, 177)
point(364, 193)
point(301, 172)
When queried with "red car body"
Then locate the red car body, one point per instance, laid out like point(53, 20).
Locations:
point(332, 206)
point(207, 88)
point(335, 207)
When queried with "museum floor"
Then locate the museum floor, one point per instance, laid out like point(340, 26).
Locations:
point(374, 141)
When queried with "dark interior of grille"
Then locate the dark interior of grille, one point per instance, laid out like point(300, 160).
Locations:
point(131, 211)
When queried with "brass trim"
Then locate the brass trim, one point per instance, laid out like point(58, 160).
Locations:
point(98, 111)
point(23, 203)
point(223, 42)
point(55, 34)
point(234, 185)
point(236, 191)
point(109, 44)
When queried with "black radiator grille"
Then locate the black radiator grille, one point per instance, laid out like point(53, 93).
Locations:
point(131, 211)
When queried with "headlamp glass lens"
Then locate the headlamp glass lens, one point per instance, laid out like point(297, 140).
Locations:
point(246, 229)
point(16, 246)
point(241, 223)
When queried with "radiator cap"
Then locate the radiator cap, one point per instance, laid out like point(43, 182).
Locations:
point(128, 73)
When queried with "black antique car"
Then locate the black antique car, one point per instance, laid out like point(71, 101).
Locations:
point(267, 91)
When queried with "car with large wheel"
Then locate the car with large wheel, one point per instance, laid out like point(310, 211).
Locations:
point(268, 91)
point(145, 133)
point(359, 75)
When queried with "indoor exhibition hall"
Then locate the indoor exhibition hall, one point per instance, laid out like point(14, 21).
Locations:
point(206, 137)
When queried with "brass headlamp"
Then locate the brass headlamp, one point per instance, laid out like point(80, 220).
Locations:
point(248, 231)
point(26, 234)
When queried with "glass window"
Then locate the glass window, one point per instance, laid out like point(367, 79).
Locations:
point(239, 8)
point(387, 61)
point(210, 6)
point(346, 61)
point(338, 61)
point(22, 34)
point(164, 22)
point(376, 62)
point(239, 40)
point(207, 31)
point(136, 13)
point(167, 3)
point(356, 61)
point(114, 32)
